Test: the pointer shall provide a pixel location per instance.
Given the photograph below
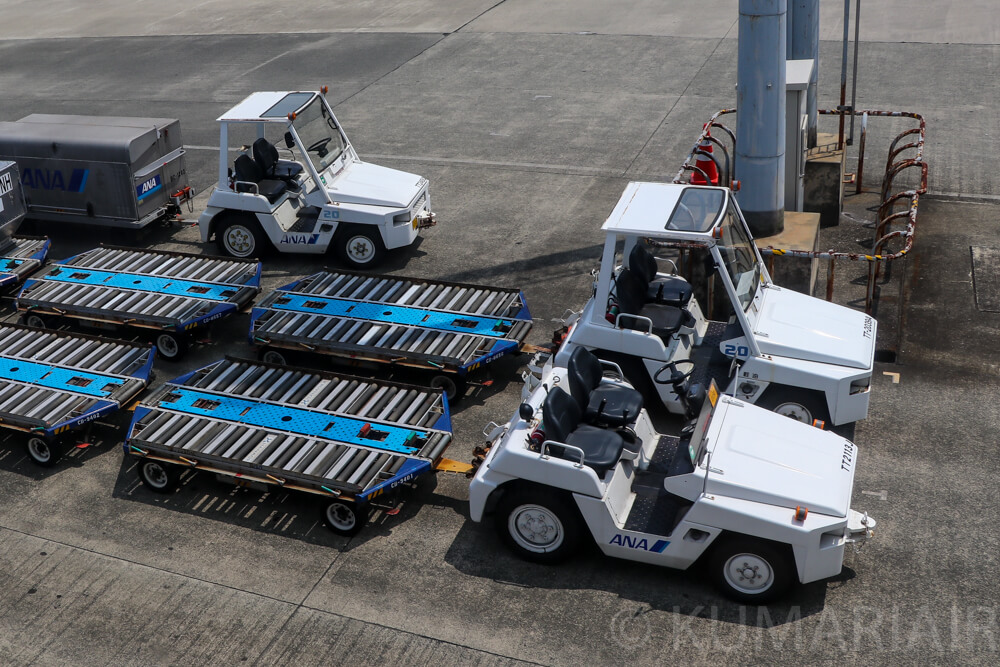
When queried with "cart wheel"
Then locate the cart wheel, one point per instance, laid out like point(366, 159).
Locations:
point(454, 387)
point(171, 346)
point(43, 452)
point(750, 570)
point(360, 247)
point(798, 404)
point(158, 476)
point(34, 320)
point(538, 525)
point(240, 236)
point(269, 356)
point(345, 518)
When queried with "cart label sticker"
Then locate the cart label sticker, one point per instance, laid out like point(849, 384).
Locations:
point(6, 184)
point(147, 188)
point(47, 179)
point(186, 288)
point(62, 379)
point(392, 314)
point(640, 543)
point(309, 423)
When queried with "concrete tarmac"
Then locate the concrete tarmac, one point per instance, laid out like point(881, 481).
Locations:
point(528, 118)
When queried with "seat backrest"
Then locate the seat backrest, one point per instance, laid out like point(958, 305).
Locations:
point(584, 372)
point(560, 415)
point(247, 169)
point(265, 155)
point(642, 263)
point(630, 291)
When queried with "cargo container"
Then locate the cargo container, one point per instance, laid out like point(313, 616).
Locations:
point(103, 170)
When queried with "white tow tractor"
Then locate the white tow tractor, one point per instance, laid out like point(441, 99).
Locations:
point(782, 350)
point(318, 196)
point(762, 500)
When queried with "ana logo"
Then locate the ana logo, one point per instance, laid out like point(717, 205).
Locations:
point(6, 183)
point(300, 239)
point(639, 543)
point(48, 179)
point(147, 188)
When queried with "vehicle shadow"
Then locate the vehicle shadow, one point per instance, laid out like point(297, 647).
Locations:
point(684, 593)
point(273, 510)
point(76, 452)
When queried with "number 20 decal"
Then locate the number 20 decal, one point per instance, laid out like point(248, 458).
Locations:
point(738, 350)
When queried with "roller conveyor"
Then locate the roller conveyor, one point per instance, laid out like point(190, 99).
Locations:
point(143, 288)
point(331, 434)
point(23, 259)
point(51, 382)
point(445, 326)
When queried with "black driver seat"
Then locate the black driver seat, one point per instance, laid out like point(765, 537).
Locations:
point(631, 293)
point(247, 171)
point(603, 403)
point(561, 417)
point(671, 290)
point(265, 155)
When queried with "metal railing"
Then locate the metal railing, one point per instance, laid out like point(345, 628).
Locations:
point(886, 218)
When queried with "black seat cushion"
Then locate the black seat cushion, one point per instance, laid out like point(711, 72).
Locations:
point(631, 293)
point(671, 290)
point(265, 155)
point(603, 404)
point(247, 171)
point(614, 406)
point(561, 421)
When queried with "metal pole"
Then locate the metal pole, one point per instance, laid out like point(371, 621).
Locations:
point(760, 119)
point(843, 72)
point(854, 71)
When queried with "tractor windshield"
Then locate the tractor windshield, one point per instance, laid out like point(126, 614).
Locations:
point(321, 138)
point(740, 257)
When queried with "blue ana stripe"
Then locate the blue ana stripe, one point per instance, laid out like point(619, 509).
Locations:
point(293, 420)
point(391, 314)
point(53, 377)
point(174, 286)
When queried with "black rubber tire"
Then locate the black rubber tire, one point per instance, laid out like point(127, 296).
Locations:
point(36, 321)
point(360, 246)
point(271, 356)
point(240, 236)
point(524, 510)
point(767, 561)
point(157, 476)
point(171, 346)
point(43, 452)
point(453, 386)
point(799, 404)
point(345, 518)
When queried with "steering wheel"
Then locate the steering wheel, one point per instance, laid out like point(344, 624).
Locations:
point(319, 146)
point(676, 376)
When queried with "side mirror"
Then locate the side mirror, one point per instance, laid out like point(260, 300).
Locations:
point(525, 412)
point(289, 140)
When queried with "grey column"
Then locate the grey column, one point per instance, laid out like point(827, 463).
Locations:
point(760, 115)
point(803, 44)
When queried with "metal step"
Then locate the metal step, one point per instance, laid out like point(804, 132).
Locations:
point(143, 288)
point(322, 431)
point(53, 381)
point(440, 325)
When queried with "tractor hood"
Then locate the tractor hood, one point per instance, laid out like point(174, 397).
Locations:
point(797, 326)
point(763, 457)
point(365, 183)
